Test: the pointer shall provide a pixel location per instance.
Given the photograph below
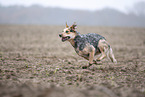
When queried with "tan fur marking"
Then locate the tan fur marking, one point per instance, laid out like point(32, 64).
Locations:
point(103, 46)
point(91, 55)
point(72, 42)
point(66, 25)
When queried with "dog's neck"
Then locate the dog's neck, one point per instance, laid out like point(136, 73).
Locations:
point(74, 41)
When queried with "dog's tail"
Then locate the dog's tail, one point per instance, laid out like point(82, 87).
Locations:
point(110, 55)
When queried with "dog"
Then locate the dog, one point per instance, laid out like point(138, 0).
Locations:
point(88, 45)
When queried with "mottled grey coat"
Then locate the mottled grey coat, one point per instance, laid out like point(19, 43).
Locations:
point(91, 38)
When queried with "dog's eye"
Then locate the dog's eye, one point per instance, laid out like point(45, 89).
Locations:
point(71, 30)
point(66, 31)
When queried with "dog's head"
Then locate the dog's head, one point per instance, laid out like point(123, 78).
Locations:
point(68, 33)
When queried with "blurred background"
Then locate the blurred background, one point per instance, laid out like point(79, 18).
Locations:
point(130, 13)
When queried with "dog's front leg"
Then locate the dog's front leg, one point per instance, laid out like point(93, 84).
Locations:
point(91, 55)
point(91, 51)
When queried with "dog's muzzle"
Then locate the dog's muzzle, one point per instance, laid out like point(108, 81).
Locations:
point(64, 38)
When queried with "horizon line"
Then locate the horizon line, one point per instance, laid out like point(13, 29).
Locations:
point(58, 7)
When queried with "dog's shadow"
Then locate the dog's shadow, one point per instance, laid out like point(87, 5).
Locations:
point(100, 67)
point(88, 66)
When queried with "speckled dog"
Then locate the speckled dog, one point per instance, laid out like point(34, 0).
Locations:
point(88, 45)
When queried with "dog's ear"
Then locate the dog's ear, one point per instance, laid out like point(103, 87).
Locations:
point(66, 25)
point(73, 27)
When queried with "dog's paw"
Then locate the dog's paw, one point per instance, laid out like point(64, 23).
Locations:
point(115, 61)
point(85, 67)
point(98, 62)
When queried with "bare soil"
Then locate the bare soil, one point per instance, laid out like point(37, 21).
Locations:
point(35, 63)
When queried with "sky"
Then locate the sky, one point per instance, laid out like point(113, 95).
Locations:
point(92, 5)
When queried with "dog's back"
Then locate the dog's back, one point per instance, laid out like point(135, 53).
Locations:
point(91, 38)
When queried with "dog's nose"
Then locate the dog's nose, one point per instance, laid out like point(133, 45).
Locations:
point(60, 35)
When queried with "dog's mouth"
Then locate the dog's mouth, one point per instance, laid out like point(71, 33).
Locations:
point(65, 38)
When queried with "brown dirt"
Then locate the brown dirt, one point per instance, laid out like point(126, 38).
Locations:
point(35, 63)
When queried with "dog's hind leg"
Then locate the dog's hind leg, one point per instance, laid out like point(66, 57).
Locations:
point(106, 51)
point(91, 52)
point(91, 55)
point(103, 46)
point(103, 55)
point(111, 55)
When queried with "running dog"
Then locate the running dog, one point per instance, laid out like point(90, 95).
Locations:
point(88, 45)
